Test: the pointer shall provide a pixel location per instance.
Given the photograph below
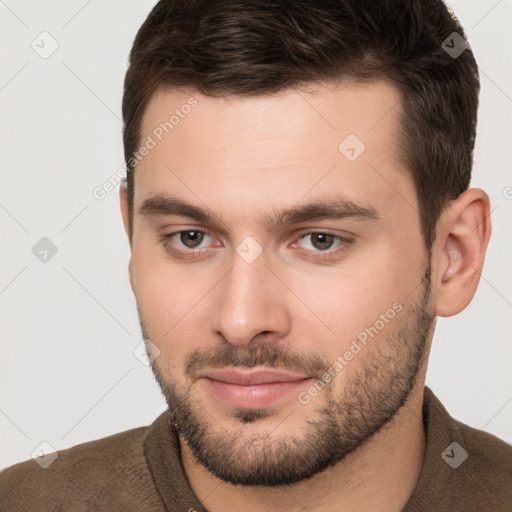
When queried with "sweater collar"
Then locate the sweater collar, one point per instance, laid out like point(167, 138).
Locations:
point(163, 457)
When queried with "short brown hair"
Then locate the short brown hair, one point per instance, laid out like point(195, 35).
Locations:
point(256, 47)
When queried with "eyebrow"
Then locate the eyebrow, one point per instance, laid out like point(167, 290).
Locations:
point(335, 208)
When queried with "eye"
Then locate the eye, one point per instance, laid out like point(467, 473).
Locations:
point(323, 241)
point(320, 241)
point(186, 244)
point(190, 239)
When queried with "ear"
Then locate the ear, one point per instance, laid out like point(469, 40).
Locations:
point(463, 233)
point(125, 213)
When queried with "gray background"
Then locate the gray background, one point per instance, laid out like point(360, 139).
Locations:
point(69, 326)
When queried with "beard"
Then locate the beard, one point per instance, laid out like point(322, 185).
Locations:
point(372, 395)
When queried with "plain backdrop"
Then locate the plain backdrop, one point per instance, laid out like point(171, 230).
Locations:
point(69, 325)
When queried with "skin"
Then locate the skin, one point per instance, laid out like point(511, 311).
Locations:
point(243, 158)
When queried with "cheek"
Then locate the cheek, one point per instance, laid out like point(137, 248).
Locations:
point(354, 297)
point(168, 316)
point(174, 304)
point(162, 293)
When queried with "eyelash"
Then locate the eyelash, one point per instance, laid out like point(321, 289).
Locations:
point(319, 255)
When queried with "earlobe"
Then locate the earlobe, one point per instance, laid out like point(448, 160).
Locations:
point(463, 235)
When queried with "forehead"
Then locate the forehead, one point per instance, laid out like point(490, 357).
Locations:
point(316, 109)
point(274, 149)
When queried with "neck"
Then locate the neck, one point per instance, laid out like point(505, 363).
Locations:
point(378, 476)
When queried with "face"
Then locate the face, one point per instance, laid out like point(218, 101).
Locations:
point(279, 234)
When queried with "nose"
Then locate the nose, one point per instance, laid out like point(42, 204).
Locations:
point(250, 301)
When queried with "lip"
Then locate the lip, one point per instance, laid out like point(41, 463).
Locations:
point(250, 377)
point(252, 389)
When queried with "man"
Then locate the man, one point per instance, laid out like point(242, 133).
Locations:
point(298, 210)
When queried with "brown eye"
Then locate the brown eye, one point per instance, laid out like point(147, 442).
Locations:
point(321, 244)
point(186, 244)
point(322, 240)
point(191, 239)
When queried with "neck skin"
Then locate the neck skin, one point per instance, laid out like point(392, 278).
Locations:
point(379, 476)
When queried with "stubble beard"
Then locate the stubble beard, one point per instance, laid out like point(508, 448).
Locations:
point(371, 397)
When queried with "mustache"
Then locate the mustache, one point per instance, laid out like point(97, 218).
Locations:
point(270, 355)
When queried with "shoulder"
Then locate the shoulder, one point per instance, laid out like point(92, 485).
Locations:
point(464, 469)
point(488, 463)
point(110, 468)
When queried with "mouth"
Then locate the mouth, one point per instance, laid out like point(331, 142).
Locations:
point(252, 388)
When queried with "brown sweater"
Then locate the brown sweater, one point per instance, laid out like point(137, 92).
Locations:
point(140, 470)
